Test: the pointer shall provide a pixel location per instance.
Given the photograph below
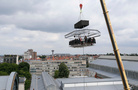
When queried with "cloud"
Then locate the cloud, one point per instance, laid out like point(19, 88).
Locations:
point(11, 36)
point(42, 24)
point(43, 15)
point(8, 7)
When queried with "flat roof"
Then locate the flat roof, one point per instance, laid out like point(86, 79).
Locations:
point(111, 75)
point(3, 82)
point(103, 87)
point(90, 83)
point(37, 83)
point(86, 80)
point(125, 58)
point(128, 65)
point(43, 82)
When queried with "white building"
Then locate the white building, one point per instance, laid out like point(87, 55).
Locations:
point(27, 55)
point(30, 54)
point(76, 67)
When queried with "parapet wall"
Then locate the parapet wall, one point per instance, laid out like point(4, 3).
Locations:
point(125, 58)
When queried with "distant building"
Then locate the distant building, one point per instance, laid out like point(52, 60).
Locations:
point(76, 67)
point(34, 55)
point(61, 54)
point(1, 59)
point(30, 54)
point(10, 82)
point(11, 59)
point(27, 55)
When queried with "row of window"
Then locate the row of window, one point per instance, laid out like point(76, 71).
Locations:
point(55, 67)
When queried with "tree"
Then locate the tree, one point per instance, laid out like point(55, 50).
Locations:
point(87, 63)
point(27, 84)
point(27, 75)
point(63, 71)
point(8, 67)
point(43, 57)
point(25, 69)
point(56, 75)
point(3, 73)
point(24, 66)
point(20, 57)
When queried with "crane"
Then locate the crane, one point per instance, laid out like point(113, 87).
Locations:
point(115, 47)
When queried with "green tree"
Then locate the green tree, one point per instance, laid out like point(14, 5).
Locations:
point(8, 67)
point(25, 69)
point(63, 71)
point(3, 73)
point(56, 75)
point(27, 84)
point(87, 63)
point(4, 67)
point(20, 57)
point(43, 57)
point(24, 66)
point(12, 67)
point(27, 75)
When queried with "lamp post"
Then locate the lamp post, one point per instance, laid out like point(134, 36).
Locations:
point(115, 47)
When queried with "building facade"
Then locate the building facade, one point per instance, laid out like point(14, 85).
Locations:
point(11, 59)
point(30, 54)
point(34, 55)
point(76, 67)
point(27, 55)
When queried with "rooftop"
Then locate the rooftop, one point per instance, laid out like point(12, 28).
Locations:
point(7, 82)
point(45, 81)
point(128, 65)
point(108, 67)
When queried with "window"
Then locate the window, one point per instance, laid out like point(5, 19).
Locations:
point(74, 67)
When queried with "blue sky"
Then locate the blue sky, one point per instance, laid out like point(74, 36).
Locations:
point(42, 24)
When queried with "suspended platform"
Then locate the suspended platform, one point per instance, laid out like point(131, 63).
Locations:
point(82, 37)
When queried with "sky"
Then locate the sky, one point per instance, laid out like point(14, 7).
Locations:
point(41, 25)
